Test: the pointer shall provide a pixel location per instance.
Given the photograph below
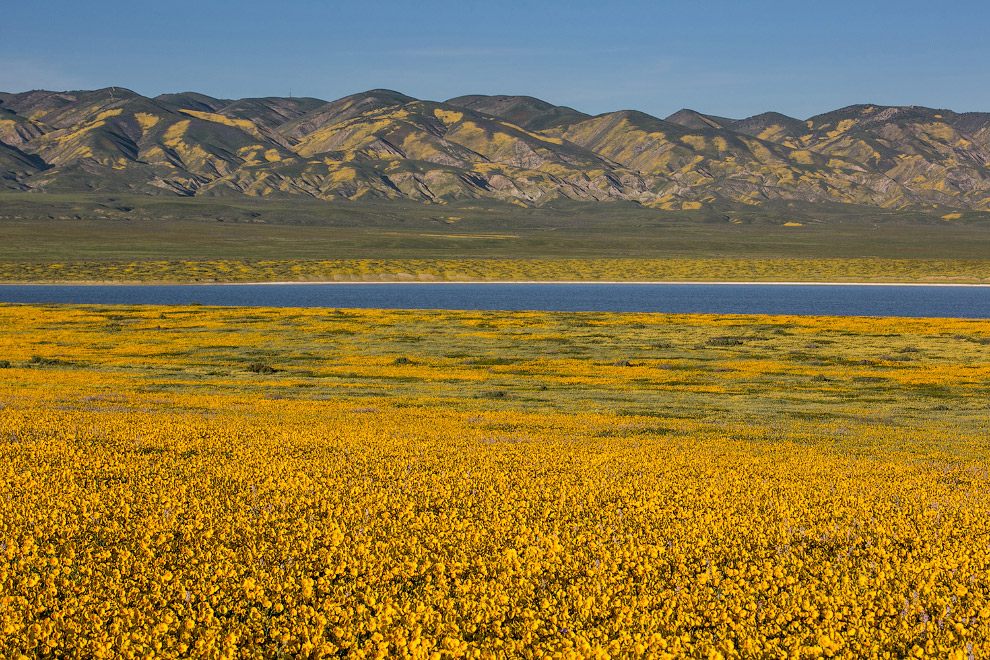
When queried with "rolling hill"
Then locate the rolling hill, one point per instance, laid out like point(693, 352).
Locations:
point(384, 145)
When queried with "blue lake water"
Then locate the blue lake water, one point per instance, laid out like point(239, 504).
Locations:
point(840, 300)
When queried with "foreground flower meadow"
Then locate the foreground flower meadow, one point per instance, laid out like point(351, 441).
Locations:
point(262, 483)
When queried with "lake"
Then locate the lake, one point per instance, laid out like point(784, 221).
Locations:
point(805, 299)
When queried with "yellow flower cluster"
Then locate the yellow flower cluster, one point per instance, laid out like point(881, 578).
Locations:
point(481, 269)
point(161, 497)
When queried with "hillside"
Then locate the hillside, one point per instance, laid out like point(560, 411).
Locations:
point(383, 145)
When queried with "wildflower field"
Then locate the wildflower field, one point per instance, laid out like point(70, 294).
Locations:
point(279, 483)
point(674, 269)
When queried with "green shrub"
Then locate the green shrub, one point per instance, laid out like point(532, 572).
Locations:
point(725, 341)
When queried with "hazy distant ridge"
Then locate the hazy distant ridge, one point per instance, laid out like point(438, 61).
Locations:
point(382, 144)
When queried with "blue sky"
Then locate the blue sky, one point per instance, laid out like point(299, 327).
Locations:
point(724, 58)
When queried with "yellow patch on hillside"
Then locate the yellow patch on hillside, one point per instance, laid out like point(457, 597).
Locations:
point(343, 175)
point(80, 152)
point(940, 131)
point(175, 132)
point(951, 216)
point(690, 166)
point(842, 127)
point(106, 114)
point(802, 157)
point(272, 156)
point(784, 175)
point(543, 138)
point(250, 154)
point(690, 206)
point(793, 224)
point(344, 137)
point(696, 142)
point(502, 140)
point(146, 120)
point(448, 116)
point(191, 155)
point(416, 147)
point(66, 137)
point(243, 124)
point(771, 132)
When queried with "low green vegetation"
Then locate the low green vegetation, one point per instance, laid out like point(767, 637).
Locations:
point(76, 238)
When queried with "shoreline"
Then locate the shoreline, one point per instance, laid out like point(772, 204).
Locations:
point(429, 282)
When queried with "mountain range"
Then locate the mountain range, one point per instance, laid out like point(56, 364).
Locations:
point(381, 145)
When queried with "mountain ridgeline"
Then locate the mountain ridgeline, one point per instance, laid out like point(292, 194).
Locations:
point(382, 145)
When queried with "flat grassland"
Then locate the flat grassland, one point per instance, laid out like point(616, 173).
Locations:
point(229, 482)
point(100, 238)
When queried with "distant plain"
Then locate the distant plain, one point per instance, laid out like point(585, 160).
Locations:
point(95, 237)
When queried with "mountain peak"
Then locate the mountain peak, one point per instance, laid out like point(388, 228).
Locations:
point(524, 111)
point(193, 101)
point(500, 102)
point(695, 120)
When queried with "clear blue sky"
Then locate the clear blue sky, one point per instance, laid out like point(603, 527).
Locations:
point(732, 59)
